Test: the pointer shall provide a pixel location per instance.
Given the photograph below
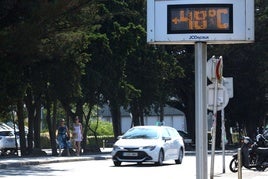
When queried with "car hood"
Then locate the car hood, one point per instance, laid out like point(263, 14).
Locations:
point(137, 142)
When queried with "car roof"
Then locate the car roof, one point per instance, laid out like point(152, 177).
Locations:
point(152, 126)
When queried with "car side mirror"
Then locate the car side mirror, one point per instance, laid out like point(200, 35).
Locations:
point(166, 138)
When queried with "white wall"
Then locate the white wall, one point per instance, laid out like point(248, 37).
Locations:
point(125, 124)
point(178, 122)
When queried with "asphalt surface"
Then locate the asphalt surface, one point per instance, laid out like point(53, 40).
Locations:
point(105, 153)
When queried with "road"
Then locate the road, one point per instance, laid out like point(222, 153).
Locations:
point(104, 169)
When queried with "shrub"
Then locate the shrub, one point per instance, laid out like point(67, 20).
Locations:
point(103, 141)
point(45, 140)
point(104, 128)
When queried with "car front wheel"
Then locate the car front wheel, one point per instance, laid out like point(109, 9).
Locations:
point(160, 158)
point(117, 163)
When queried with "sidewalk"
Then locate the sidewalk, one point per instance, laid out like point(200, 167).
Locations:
point(19, 161)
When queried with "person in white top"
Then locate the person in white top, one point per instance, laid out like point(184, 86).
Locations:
point(77, 135)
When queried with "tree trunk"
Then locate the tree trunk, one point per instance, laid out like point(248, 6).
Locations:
point(21, 127)
point(51, 128)
point(141, 114)
point(37, 122)
point(30, 108)
point(190, 114)
point(116, 118)
point(161, 113)
point(135, 115)
point(85, 127)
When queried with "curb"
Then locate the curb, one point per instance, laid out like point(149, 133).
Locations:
point(18, 162)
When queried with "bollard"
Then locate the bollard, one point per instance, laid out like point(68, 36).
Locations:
point(103, 144)
point(239, 160)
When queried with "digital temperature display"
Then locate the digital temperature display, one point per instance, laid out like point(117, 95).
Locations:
point(200, 18)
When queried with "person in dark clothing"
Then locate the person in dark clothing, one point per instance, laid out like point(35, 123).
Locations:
point(63, 137)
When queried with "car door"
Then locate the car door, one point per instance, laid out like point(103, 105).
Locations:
point(174, 143)
point(167, 143)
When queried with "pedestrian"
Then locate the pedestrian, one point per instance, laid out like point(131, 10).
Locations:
point(77, 135)
point(63, 136)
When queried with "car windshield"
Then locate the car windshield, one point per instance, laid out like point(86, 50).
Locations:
point(6, 133)
point(140, 133)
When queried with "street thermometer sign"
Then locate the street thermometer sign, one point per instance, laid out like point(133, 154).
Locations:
point(202, 22)
point(210, 21)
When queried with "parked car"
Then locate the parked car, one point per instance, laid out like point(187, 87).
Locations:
point(8, 140)
point(12, 125)
point(149, 144)
point(188, 141)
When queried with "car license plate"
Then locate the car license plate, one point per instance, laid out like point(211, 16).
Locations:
point(130, 154)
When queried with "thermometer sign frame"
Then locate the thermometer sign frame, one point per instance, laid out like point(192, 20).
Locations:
point(210, 21)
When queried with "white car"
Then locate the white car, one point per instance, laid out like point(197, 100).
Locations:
point(7, 139)
point(149, 144)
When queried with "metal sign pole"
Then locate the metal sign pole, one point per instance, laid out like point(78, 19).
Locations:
point(223, 140)
point(213, 132)
point(201, 110)
point(214, 126)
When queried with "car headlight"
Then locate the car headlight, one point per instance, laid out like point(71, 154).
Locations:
point(116, 147)
point(151, 147)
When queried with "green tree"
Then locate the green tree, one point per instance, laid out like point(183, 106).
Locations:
point(45, 44)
